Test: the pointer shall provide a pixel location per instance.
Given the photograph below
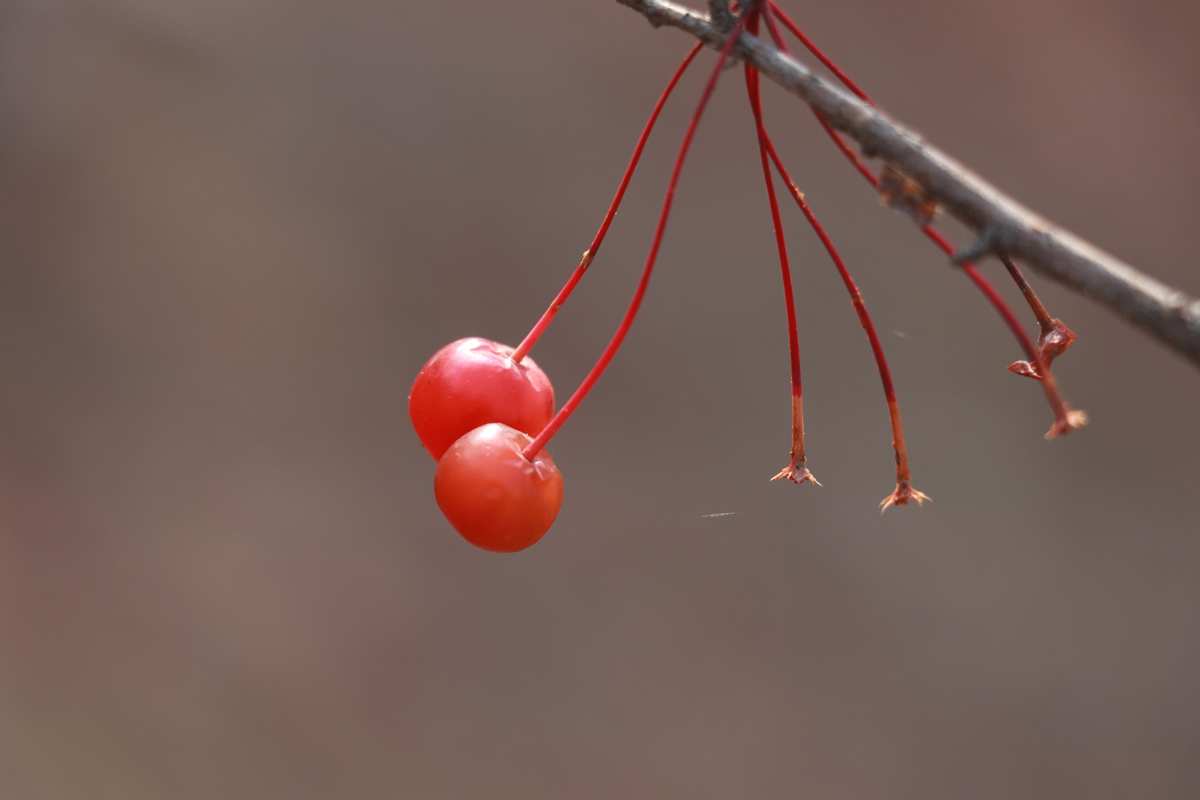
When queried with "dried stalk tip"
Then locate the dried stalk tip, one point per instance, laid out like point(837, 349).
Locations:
point(901, 192)
point(903, 495)
point(1052, 343)
point(1072, 422)
point(1025, 369)
point(797, 474)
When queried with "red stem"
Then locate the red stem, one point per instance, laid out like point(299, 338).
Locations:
point(1062, 412)
point(903, 475)
point(568, 408)
point(585, 261)
point(797, 454)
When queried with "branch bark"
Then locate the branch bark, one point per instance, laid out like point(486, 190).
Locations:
point(1003, 225)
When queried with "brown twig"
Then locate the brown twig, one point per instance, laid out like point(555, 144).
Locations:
point(1003, 225)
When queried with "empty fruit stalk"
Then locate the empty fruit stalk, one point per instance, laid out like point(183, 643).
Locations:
point(904, 491)
point(797, 467)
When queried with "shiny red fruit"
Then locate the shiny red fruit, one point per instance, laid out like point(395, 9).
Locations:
point(494, 496)
point(472, 382)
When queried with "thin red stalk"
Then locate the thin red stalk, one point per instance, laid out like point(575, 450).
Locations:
point(610, 351)
point(904, 491)
point(585, 261)
point(845, 79)
point(903, 474)
point(796, 470)
point(1065, 418)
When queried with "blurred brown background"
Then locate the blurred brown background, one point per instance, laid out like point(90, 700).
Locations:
point(233, 231)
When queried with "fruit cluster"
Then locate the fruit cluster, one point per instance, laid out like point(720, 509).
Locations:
point(485, 411)
point(473, 407)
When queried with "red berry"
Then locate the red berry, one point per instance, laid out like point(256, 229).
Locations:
point(472, 382)
point(492, 494)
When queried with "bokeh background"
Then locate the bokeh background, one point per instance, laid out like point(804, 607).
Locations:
point(234, 229)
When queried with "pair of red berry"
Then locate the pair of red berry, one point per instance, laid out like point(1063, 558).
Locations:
point(485, 411)
point(476, 410)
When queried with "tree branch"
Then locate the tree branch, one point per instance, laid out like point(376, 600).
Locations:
point(1003, 225)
